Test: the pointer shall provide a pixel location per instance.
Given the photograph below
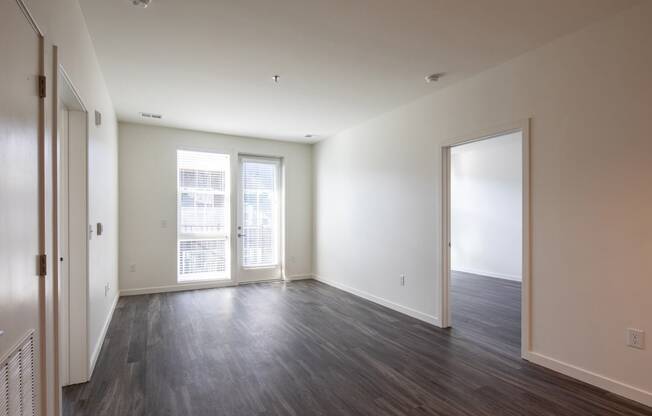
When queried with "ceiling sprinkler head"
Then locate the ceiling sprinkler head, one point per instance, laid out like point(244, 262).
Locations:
point(308, 136)
point(276, 78)
point(434, 77)
point(141, 3)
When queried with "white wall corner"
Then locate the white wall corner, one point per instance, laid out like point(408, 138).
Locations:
point(431, 319)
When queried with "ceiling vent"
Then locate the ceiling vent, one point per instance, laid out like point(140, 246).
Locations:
point(434, 77)
point(141, 3)
point(150, 115)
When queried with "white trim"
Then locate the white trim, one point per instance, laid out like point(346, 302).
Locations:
point(226, 235)
point(176, 288)
point(487, 274)
point(28, 14)
point(73, 335)
point(444, 284)
point(294, 277)
point(100, 342)
point(193, 286)
point(253, 282)
point(433, 320)
point(606, 383)
point(260, 273)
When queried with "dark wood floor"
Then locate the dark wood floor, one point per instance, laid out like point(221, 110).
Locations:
point(304, 348)
point(487, 310)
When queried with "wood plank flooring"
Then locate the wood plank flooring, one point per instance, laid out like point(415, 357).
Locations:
point(304, 348)
point(487, 310)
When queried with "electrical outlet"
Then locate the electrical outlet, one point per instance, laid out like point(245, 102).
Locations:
point(132, 267)
point(636, 338)
point(402, 279)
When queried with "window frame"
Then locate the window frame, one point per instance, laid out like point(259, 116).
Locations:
point(225, 235)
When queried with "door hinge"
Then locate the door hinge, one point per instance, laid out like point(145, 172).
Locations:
point(42, 86)
point(42, 265)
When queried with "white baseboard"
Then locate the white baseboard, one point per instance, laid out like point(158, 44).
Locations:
point(488, 274)
point(100, 342)
point(175, 288)
point(298, 277)
point(433, 320)
point(606, 383)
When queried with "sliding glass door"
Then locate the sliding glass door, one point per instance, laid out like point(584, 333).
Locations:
point(259, 219)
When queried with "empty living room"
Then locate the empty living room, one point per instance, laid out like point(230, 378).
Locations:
point(325, 207)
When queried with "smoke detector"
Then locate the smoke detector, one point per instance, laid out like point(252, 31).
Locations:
point(141, 3)
point(434, 77)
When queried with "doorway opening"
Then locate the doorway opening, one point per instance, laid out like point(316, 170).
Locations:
point(72, 233)
point(259, 219)
point(485, 290)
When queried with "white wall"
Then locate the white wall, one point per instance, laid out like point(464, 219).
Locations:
point(148, 195)
point(378, 185)
point(63, 25)
point(486, 207)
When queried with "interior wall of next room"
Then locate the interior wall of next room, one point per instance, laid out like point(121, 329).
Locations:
point(486, 207)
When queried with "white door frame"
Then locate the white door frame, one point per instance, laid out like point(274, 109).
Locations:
point(522, 126)
point(71, 233)
point(262, 274)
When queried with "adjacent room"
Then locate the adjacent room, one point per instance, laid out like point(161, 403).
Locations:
point(325, 207)
point(486, 239)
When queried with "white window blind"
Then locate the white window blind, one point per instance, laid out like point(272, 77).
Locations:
point(203, 215)
point(260, 213)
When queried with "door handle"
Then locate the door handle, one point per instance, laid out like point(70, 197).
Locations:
point(241, 235)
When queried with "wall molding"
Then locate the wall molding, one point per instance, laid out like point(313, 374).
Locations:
point(487, 274)
point(598, 380)
point(203, 285)
point(298, 277)
point(176, 288)
point(98, 347)
point(433, 320)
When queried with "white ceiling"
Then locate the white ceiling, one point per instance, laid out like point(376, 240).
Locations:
point(207, 64)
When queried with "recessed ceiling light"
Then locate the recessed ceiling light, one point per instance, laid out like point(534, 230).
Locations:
point(141, 3)
point(276, 78)
point(434, 77)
